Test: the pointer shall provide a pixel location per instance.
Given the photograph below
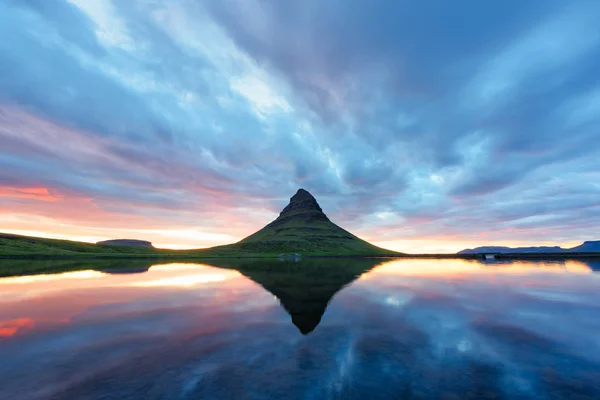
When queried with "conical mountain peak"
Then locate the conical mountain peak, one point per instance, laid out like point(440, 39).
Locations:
point(301, 195)
point(303, 203)
point(302, 227)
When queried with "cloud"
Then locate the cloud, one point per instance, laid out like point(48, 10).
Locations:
point(451, 119)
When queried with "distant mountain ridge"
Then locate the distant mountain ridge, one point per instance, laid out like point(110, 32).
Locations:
point(590, 246)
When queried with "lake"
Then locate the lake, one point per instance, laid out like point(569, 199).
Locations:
point(311, 329)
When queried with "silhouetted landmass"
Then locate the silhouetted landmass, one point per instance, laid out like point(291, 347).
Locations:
point(503, 249)
point(590, 246)
point(586, 247)
point(126, 242)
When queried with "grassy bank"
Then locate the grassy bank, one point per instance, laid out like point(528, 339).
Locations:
point(15, 246)
point(23, 255)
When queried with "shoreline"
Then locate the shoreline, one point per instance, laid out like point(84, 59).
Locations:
point(22, 265)
point(497, 256)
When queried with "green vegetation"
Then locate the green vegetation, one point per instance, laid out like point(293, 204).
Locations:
point(23, 255)
point(314, 237)
point(16, 245)
point(302, 227)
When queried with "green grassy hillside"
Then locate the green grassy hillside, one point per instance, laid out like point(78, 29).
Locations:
point(33, 247)
point(302, 227)
point(13, 245)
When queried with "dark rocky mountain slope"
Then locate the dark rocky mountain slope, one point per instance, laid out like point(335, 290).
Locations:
point(303, 227)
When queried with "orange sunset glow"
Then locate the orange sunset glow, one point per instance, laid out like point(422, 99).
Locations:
point(47, 300)
point(450, 269)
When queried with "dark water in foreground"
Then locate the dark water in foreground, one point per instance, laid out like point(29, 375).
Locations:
point(408, 329)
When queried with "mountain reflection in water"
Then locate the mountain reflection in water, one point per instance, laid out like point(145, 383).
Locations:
point(304, 289)
point(360, 328)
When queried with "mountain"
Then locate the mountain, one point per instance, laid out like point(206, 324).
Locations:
point(590, 246)
point(502, 249)
point(303, 227)
point(586, 247)
point(126, 242)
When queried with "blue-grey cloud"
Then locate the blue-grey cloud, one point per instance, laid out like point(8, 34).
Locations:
point(464, 118)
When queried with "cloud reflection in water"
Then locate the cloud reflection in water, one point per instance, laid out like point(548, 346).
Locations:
point(417, 329)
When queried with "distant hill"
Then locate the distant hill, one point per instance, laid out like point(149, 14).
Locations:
point(502, 249)
point(586, 247)
point(590, 246)
point(302, 227)
point(17, 245)
point(126, 242)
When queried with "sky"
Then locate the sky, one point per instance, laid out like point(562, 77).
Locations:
point(419, 125)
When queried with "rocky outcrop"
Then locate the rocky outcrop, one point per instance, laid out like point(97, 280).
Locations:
point(126, 242)
point(303, 207)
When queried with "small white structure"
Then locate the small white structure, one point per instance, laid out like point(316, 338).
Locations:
point(293, 256)
point(490, 257)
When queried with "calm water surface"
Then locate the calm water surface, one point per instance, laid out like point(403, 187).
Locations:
point(328, 329)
